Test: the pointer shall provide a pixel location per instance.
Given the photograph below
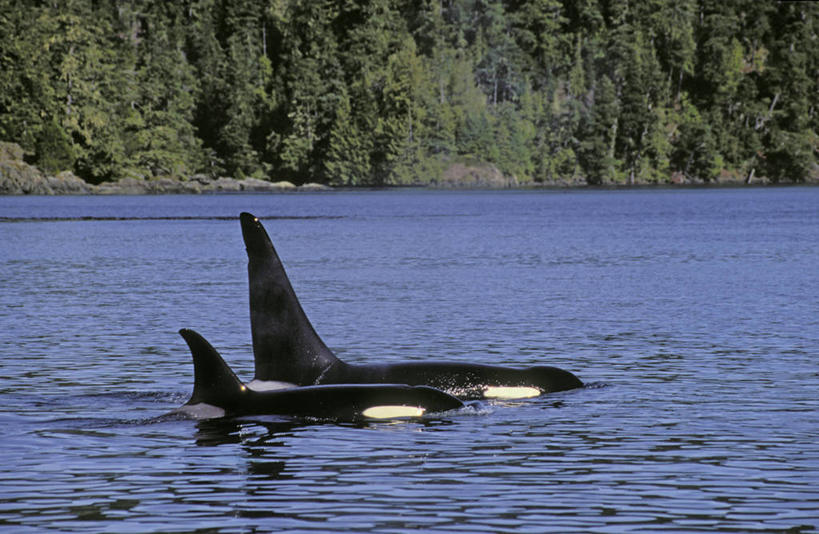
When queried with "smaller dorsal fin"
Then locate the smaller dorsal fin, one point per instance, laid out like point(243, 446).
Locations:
point(214, 382)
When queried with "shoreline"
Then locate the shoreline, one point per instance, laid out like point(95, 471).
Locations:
point(18, 178)
point(319, 188)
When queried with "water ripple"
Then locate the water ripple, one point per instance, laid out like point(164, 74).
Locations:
point(695, 332)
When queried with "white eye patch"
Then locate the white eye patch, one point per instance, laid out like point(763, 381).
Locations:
point(393, 411)
point(510, 392)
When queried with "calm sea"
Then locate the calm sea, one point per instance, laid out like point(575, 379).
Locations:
point(692, 315)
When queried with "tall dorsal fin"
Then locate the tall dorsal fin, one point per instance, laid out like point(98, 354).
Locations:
point(213, 380)
point(286, 347)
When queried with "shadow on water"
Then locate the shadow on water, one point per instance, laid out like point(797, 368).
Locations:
point(267, 430)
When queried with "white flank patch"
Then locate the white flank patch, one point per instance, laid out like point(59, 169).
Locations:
point(269, 385)
point(201, 411)
point(393, 411)
point(510, 392)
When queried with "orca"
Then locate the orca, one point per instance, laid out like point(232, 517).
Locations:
point(218, 392)
point(287, 348)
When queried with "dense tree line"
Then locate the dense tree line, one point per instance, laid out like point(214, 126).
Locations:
point(392, 92)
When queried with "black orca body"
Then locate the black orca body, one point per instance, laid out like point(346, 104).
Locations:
point(218, 392)
point(287, 348)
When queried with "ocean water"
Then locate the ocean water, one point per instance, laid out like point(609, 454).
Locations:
point(691, 315)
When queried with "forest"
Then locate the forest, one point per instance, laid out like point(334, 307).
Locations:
point(389, 92)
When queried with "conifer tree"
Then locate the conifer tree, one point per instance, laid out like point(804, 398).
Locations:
point(394, 92)
point(163, 140)
point(350, 149)
point(599, 133)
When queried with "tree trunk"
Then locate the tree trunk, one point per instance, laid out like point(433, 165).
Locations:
point(613, 140)
point(68, 98)
point(679, 87)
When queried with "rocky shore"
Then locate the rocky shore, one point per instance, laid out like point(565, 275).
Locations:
point(19, 178)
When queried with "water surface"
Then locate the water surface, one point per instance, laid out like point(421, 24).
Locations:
point(692, 315)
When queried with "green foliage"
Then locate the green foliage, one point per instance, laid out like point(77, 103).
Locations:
point(54, 149)
point(694, 153)
point(163, 139)
point(599, 134)
point(388, 92)
point(348, 160)
point(790, 156)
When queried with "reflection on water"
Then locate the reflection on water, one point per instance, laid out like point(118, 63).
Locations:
point(690, 314)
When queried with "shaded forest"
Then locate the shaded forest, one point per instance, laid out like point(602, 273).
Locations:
point(389, 92)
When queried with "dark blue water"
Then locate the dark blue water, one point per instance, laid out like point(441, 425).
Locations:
point(693, 315)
